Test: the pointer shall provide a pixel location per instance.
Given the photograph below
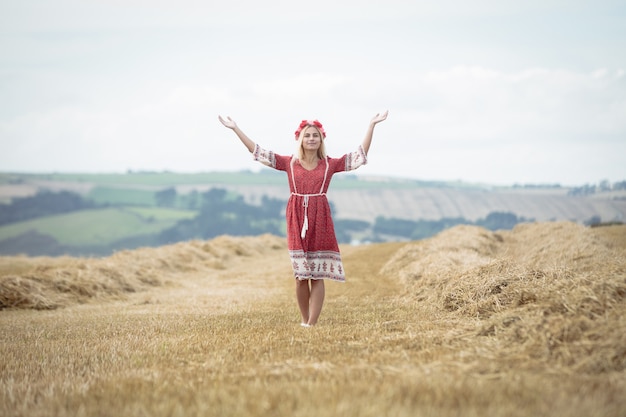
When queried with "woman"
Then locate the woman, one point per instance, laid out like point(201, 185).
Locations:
point(311, 240)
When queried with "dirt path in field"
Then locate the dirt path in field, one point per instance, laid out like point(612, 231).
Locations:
point(260, 279)
point(214, 276)
point(244, 282)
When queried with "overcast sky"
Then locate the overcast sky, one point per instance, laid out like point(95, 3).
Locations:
point(497, 92)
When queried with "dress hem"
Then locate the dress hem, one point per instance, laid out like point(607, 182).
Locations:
point(320, 279)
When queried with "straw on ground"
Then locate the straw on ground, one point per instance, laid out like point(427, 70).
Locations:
point(470, 322)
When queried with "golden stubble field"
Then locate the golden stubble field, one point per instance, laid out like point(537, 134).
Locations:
point(528, 322)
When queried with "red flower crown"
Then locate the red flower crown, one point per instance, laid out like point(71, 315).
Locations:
point(306, 123)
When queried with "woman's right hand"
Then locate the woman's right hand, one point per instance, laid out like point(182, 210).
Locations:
point(228, 122)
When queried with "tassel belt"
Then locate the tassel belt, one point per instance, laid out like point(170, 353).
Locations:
point(305, 204)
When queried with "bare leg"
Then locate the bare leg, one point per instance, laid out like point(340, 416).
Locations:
point(303, 293)
point(318, 292)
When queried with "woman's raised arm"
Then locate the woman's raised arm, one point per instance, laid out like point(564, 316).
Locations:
point(370, 130)
point(230, 123)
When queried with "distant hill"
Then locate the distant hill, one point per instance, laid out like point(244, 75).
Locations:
point(112, 212)
point(435, 202)
point(354, 197)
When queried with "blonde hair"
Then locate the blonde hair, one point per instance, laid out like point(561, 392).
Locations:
point(321, 151)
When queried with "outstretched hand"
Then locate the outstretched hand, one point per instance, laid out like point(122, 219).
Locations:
point(228, 122)
point(379, 117)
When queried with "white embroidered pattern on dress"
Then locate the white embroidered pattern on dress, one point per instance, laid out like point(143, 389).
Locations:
point(317, 265)
point(356, 159)
point(263, 156)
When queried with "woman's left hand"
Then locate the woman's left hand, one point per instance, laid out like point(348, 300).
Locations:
point(379, 117)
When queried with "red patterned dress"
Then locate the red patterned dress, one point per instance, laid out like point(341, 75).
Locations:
point(311, 239)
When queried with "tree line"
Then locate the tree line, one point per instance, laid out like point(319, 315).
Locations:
point(601, 187)
point(221, 212)
point(44, 203)
point(422, 229)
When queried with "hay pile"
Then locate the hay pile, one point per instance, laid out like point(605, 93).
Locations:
point(554, 292)
point(49, 283)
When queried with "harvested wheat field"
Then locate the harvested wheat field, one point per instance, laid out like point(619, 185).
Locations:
point(528, 322)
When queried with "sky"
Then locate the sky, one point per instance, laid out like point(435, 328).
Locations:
point(480, 91)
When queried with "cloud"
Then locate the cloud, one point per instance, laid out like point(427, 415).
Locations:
point(137, 84)
point(457, 123)
point(479, 102)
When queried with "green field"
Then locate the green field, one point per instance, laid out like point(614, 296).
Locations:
point(100, 226)
point(135, 207)
point(122, 196)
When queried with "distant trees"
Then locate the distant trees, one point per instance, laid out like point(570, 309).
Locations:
point(218, 212)
point(499, 220)
point(593, 221)
point(411, 229)
point(345, 228)
point(224, 213)
point(602, 186)
point(44, 203)
point(427, 228)
point(166, 197)
point(421, 229)
point(394, 226)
